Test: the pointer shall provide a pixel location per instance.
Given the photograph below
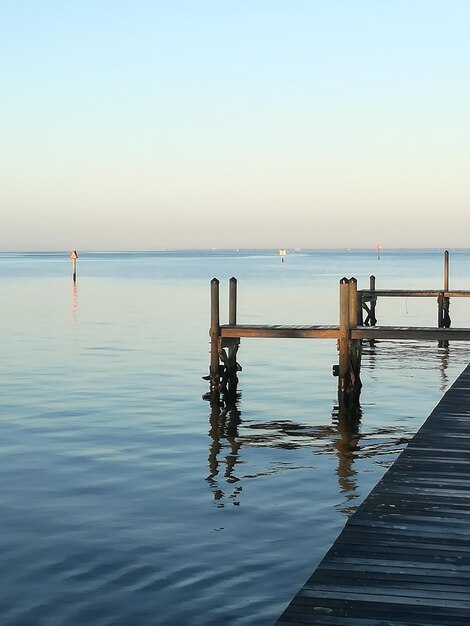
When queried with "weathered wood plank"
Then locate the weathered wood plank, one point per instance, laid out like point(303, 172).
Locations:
point(414, 293)
point(411, 333)
point(279, 331)
point(332, 332)
point(403, 559)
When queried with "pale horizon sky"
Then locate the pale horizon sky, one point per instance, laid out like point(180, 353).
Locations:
point(220, 124)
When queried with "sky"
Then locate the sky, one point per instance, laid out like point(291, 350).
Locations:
point(147, 124)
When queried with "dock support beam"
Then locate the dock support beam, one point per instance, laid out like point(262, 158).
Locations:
point(214, 371)
point(369, 304)
point(443, 301)
point(229, 357)
point(373, 302)
point(349, 380)
point(446, 270)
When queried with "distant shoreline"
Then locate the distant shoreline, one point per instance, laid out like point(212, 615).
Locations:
point(275, 251)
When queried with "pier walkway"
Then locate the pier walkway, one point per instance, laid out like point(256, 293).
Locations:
point(403, 559)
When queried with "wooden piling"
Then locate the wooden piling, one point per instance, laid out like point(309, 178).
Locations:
point(344, 334)
point(349, 382)
point(232, 301)
point(440, 310)
point(355, 346)
point(215, 335)
point(353, 308)
point(446, 270)
point(443, 300)
point(74, 257)
point(230, 362)
point(373, 301)
point(446, 302)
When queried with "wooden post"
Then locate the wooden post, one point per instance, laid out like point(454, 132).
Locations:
point(446, 301)
point(232, 301)
point(443, 301)
point(440, 310)
point(355, 347)
point(360, 309)
point(349, 382)
point(74, 257)
point(373, 301)
point(353, 308)
point(231, 365)
point(446, 270)
point(343, 333)
point(215, 335)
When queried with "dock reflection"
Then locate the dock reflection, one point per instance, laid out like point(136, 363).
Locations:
point(224, 421)
point(349, 437)
point(423, 355)
point(340, 437)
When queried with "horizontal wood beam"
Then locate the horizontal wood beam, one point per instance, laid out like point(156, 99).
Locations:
point(411, 333)
point(332, 332)
point(248, 330)
point(413, 293)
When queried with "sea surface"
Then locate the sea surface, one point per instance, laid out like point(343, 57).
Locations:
point(125, 501)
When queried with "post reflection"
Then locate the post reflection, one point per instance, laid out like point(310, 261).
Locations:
point(340, 437)
point(224, 421)
point(346, 445)
point(444, 363)
point(74, 301)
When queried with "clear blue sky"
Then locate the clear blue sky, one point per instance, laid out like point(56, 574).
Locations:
point(138, 124)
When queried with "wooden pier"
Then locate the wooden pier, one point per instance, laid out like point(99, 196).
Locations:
point(403, 559)
point(357, 322)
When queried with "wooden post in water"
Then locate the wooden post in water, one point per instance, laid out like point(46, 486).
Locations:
point(373, 301)
point(355, 347)
point(446, 270)
point(440, 310)
point(443, 301)
point(230, 362)
point(349, 382)
point(344, 335)
point(446, 303)
point(232, 301)
point(214, 371)
point(74, 257)
point(353, 307)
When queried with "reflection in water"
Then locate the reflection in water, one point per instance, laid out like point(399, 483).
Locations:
point(342, 435)
point(444, 363)
point(224, 421)
point(74, 301)
point(395, 354)
point(346, 444)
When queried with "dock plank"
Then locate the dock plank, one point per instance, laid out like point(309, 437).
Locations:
point(403, 558)
point(405, 333)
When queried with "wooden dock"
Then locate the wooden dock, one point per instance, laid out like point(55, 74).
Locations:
point(357, 322)
point(403, 559)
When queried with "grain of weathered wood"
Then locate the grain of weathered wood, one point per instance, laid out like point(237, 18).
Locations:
point(332, 332)
point(403, 559)
point(279, 331)
point(414, 293)
point(411, 333)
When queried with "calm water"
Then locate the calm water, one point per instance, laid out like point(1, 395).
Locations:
point(124, 502)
